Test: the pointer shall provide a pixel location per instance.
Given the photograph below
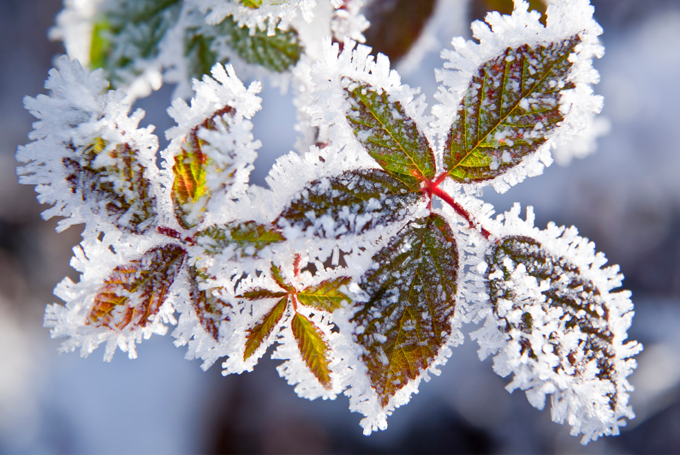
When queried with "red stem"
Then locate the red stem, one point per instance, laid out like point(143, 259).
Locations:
point(432, 187)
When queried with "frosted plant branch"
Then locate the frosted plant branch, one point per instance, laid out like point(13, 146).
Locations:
point(343, 263)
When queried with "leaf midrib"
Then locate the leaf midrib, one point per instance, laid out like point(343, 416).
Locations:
point(422, 174)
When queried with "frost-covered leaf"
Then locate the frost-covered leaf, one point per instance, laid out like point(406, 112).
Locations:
point(88, 156)
point(277, 52)
point(558, 327)
point(390, 136)
point(509, 110)
point(134, 292)
point(258, 334)
point(190, 193)
point(199, 53)
point(351, 203)
point(208, 308)
point(280, 280)
point(212, 145)
point(396, 25)
point(412, 292)
point(247, 237)
point(120, 188)
point(313, 348)
point(133, 30)
point(325, 295)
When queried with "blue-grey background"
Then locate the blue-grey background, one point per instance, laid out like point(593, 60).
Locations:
point(625, 197)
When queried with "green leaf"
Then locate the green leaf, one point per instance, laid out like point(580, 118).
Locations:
point(277, 53)
point(121, 189)
point(134, 292)
point(278, 277)
point(101, 44)
point(390, 136)
point(412, 291)
point(511, 106)
point(582, 305)
point(209, 309)
point(325, 295)
point(313, 348)
point(355, 201)
point(258, 334)
point(248, 237)
point(200, 56)
point(261, 293)
point(396, 25)
point(135, 29)
point(251, 3)
point(190, 194)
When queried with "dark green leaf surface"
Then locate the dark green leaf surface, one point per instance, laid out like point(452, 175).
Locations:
point(390, 136)
point(249, 237)
point(356, 201)
point(134, 292)
point(276, 53)
point(412, 295)
point(200, 56)
point(579, 299)
point(325, 295)
point(510, 107)
point(396, 25)
point(122, 190)
point(312, 347)
point(133, 31)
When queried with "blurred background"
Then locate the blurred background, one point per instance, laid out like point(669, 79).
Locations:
point(625, 197)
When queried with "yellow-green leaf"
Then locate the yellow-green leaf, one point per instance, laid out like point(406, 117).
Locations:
point(390, 136)
point(325, 295)
point(259, 334)
point(278, 277)
point(248, 237)
point(313, 348)
point(261, 293)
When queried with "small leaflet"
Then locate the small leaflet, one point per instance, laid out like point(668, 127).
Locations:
point(208, 308)
point(249, 238)
point(325, 295)
point(510, 108)
point(313, 348)
point(349, 204)
point(407, 318)
point(190, 194)
point(134, 292)
point(390, 136)
point(264, 328)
